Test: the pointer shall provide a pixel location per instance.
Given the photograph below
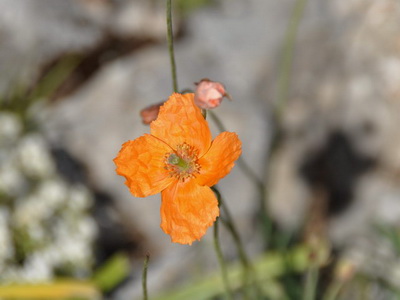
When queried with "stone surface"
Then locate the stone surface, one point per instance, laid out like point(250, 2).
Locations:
point(34, 33)
point(345, 86)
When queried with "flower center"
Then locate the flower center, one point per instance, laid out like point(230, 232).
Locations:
point(182, 163)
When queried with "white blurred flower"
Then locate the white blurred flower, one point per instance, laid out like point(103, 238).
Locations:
point(30, 210)
point(12, 181)
point(87, 229)
point(6, 248)
point(37, 233)
point(75, 251)
point(46, 212)
point(75, 227)
point(74, 237)
point(61, 229)
point(39, 206)
point(79, 198)
point(37, 269)
point(10, 127)
point(34, 156)
point(52, 193)
point(68, 239)
point(52, 255)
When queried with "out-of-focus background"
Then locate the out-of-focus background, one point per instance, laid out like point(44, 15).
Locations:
point(75, 74)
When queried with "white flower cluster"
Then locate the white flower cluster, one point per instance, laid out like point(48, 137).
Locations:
point(45, 227)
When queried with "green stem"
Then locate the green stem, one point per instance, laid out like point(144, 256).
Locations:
point(263, 210)
point(334, 290)
point(287, 58)
point(241, 163)
point(204, 113)
point(284, 77)
point(170, 39)
point(144, 277)
point(311, 283)
point(217, 246)
point(247, 268)
point(229, 223)
point(217, 121)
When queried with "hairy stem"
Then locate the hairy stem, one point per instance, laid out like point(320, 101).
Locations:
point(266, 223)
point(248, 272)
point(287, 58)
point(144, 277)
point(170, 39)
point(221, 261)
point(311, 283)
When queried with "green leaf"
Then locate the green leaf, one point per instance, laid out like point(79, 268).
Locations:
point(110, 274)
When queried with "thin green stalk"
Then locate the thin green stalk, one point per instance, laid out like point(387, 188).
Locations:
point(144, 277)
point(228, 291)
point(204, 113)
point(248, 272)
point(284, 78)
point(170, 39)
point(229, 223)
point(221, 261)
point(217, 121)
point(334, 290)
point(286, 62)
point(242, 164)
point(311, 283)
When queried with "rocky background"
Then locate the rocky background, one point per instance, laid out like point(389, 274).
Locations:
point(336, 164)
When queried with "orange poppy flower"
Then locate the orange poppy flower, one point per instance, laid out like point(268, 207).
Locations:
point(179, 159)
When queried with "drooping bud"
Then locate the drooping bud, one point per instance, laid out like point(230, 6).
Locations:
point(345, 270)
point(209, 94)
point(150, 113)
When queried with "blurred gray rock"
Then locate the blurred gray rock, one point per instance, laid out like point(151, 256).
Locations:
point(33, 33)
point(343, 114)
point(347, 84)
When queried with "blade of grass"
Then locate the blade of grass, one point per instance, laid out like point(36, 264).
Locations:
point(144, 277)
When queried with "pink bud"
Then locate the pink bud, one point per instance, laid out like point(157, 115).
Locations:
point(209, 94)
point(150, 113)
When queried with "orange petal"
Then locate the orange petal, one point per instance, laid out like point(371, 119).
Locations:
point(219, 160)
point(187, 210)
point(180, 121)
point(141, 162)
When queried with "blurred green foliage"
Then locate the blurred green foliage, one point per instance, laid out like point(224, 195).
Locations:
point(112, 272)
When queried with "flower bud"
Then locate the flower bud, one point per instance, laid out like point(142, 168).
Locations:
point(209, 94)
point(150, 113)
point(345, 270)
